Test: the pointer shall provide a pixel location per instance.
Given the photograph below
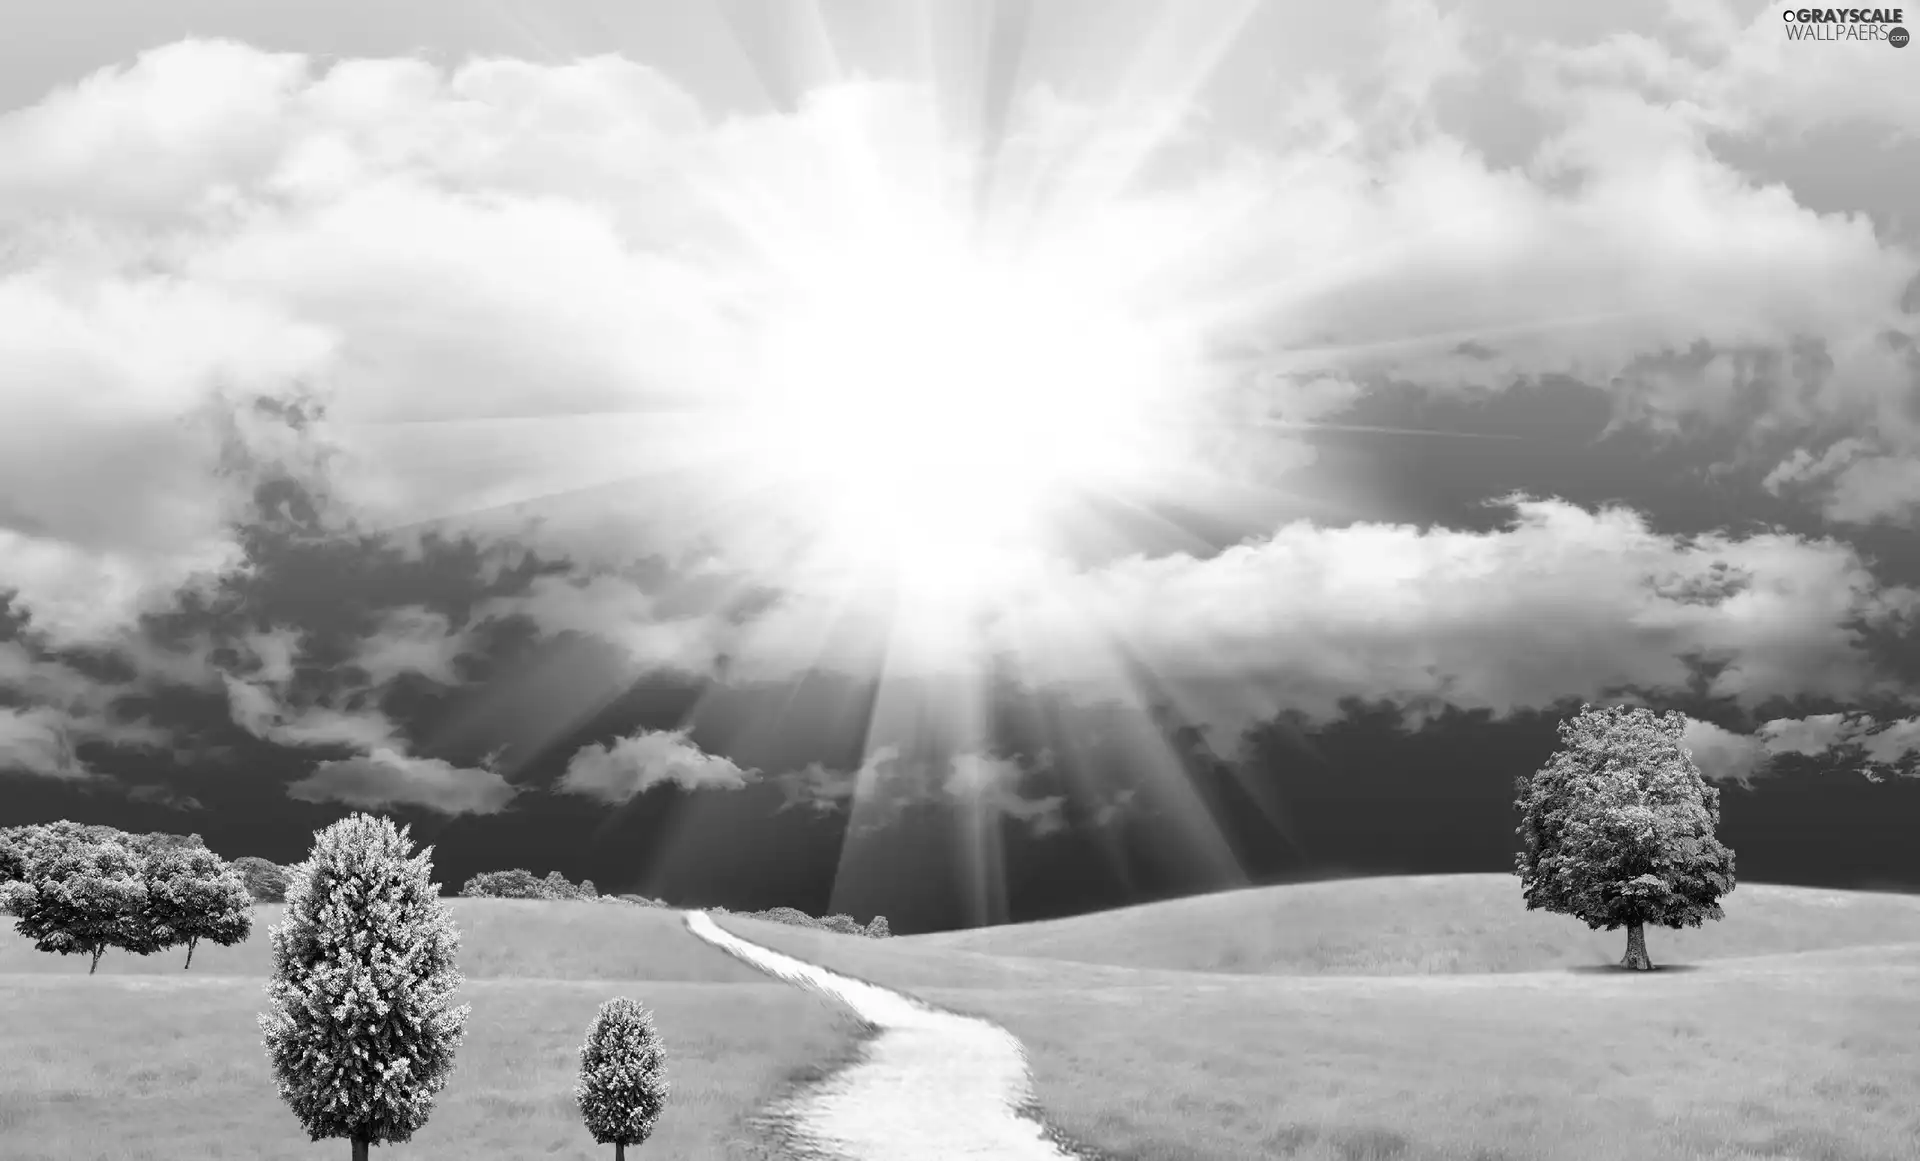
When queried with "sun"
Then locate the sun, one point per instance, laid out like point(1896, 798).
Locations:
point(938, 406)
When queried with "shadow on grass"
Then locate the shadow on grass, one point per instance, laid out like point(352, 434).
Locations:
point(1601, 969)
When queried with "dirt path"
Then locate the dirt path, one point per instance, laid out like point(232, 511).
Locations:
point(934, 1086)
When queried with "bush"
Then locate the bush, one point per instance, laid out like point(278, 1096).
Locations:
point(266, 882)
point(793, 917)
point(521, 884)
point(361, 1030)
point(623, 1083)
point(514, 884)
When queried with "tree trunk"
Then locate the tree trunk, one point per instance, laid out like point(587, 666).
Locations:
point(619, 1151)
point(190, 944)
point(1636, 957)
point(359, 1149)
point(97, 953)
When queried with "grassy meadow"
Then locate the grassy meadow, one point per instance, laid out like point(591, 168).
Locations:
point(1433, 1019)
point(145, 1060)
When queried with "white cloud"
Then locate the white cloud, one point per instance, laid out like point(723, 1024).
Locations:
point(426, 252)
point(411, 639)
point(512, 239)
point(36, 740)
point(1722, 755)
point(382, 772)
point(888, 783)
point(1876, 749)
point(633, 765)
point(620, 612)
point(1563, 603)
point(385, 778)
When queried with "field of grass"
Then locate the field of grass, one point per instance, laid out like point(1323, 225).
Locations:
point(145, 1060)
point(1423, 1020)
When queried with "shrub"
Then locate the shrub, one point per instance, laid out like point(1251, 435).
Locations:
point(1617, 829)
point(514, 884)
point(266, 882)
point(193, 894)
point(878, 929)
point(843, 924)
point(623, 1083)
point(80, 896)
point(521, 884)
point(361, 1030)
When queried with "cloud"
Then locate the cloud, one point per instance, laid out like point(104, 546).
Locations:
point(522, 301)
point(1749, 82)
point(1564, 602)
point(622, 613)
point(990, 785)
point(1876, 750)
point(382, 772)
point(633, 765)
point(385, 778)
point(888, 783)
point(601, 249)
point(37, 740)
point(1722, 755)
point(157, 795)
point(410, 640)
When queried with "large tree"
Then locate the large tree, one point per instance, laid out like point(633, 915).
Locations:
point(1617, 829)
point(80, 895)
point(362, 1029)
point(194, 894)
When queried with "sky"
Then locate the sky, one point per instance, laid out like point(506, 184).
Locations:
point(966, 462)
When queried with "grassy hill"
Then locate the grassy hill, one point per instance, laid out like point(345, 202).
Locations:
point(1424, 925)
point(1434, 1019)
point(145, 1060)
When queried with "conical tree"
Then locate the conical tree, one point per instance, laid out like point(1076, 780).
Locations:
point(1617, 829)
point(623, 1081)
point(194, 894)
point(362, 1030)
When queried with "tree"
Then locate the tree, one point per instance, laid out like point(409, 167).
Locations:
point(623, 1080)
point(878, 929)
point(193, 894)
point(266, 881)
point(1617, 829)
point(361, 1029)
point(514, 884)
point(80, 897)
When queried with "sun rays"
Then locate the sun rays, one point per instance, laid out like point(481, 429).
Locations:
point(919, 352)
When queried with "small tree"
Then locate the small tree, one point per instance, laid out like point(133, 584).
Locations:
point(361, 1030)
point(193, 894)
point(1617, 829)
point(266, 881)
point(80, 897)
point(878, 929)
point(623, 1081)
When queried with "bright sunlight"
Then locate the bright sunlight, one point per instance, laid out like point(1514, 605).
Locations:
point(940, 401)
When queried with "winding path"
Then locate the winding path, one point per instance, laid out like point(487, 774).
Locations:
point(933, 1086)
